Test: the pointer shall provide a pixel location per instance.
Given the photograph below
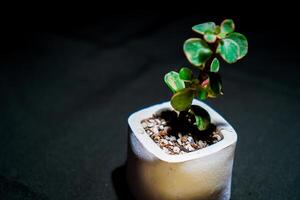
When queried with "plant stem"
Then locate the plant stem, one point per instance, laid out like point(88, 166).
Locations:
point(207, 64)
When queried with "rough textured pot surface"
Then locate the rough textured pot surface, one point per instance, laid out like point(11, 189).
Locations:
point(202, 174)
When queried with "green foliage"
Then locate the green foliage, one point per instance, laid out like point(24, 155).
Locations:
point(242, 43)
point(215, 65)
point(210, 37)
point(182, 99)
point(202, 94)
point(185, 74)
point(197, 51)
point(204, 27)
point(229, 50)
point(173, 81)
point(202, 118)
point(227, 26)
point(215, 86)
point(215, 42)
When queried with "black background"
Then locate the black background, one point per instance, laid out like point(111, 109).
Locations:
point(68, 84)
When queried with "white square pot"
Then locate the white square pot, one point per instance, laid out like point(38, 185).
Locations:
point(204, 174)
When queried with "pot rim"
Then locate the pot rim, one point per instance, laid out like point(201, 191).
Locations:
point(134, 121)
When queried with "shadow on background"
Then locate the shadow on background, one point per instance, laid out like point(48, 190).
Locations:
point(118, 177)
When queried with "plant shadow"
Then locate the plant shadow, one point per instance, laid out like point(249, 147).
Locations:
point(119, 181)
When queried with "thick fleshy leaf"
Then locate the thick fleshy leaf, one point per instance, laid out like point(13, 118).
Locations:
point(173, 81)
point(227, 26)
point(229, 50)
point(217, 30)
point(202, 117)
point(197, 51)
point(215, 85)
point(210, 37)
point(204, 27)
point(182, 99)
point(185, 73)
point(202, 94)
point(215, 65)
point(222, 35)
point(242, 42)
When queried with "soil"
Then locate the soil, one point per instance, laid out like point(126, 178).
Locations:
point(177, 135)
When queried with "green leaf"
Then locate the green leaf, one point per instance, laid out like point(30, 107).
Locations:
point(202, 28)
point(227, 26)
point(185, 73)
point(197, 51)
point(229, 50)
point(215, 85)
point(202, 94)
point(215, 65)
point(173, 81)
point(182, 99)
point(242, 42)
point(210, 37)
point(222, 35)
point(217, 30)
point(202, 117)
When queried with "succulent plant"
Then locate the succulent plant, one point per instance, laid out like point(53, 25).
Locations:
point(216, 43)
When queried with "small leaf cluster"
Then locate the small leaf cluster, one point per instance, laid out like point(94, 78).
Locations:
point(204, 54)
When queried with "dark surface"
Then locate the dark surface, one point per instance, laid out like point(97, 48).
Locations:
point(68, 88)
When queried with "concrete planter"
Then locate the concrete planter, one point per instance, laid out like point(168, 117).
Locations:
point(202, 174)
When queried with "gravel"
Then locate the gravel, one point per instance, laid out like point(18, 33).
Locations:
point(158, 129)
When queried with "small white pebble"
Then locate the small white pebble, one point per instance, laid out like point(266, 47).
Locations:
point(163, 122)
point(172, 138)
point(166, 150)
point(167, 129)
point(144, 124)
point(189, 147)
point(179, 141)
point(164, 141)
point(218, 137)
point(176, 150)
point(190, 139)
point(161, 127)
point(151, 120)
point(201, 144)
point(150, 125)
point(155, 129)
